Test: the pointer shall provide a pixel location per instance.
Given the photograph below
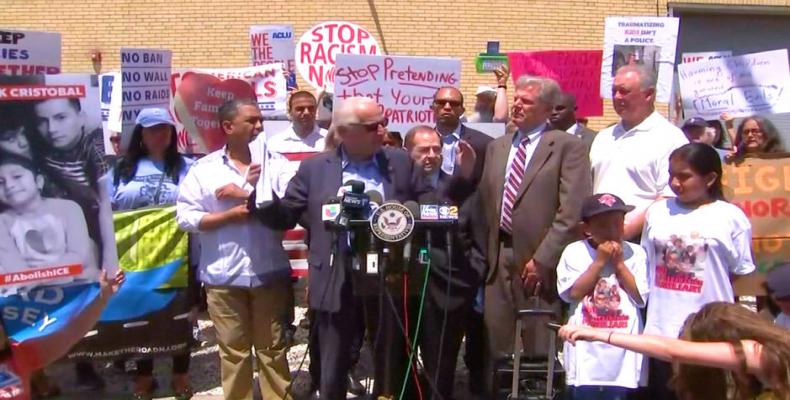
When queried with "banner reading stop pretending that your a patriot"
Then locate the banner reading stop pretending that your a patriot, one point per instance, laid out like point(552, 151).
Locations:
point(320, 45)
point(648, 41)
point(403, 86)
point(29, 52)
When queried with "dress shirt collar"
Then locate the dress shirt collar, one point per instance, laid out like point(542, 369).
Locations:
point(533, 135)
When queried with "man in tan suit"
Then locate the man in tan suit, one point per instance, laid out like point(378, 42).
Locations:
point(535, 180)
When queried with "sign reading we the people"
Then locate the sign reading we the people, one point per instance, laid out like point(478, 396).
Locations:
point(648, 41)
point(403, 86)
point(29, 52)
point(759, 187)
point(320, 45)
point(757, 83)
point(271, 44)
point(576, 71)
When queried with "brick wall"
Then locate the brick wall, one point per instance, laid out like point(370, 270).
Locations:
point(215, 33)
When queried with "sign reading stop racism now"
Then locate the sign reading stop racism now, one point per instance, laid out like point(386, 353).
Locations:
point(319, 46)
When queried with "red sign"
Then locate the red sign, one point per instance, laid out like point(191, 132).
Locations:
point(576, 71)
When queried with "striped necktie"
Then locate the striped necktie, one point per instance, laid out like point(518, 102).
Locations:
point(512, 184)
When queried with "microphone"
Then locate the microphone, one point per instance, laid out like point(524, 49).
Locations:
point(353, 203)
point(375, 199)
point(415, 210)
point(330, 210)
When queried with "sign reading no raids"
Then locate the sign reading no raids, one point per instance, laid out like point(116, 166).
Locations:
point(744, 85)
point(403, 86)
point(145, 82)
point(319, 46)
point(29, 52)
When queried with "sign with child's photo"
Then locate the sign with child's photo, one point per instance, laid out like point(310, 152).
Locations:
point(52, 226)
point(56, 227)
point(647, 41)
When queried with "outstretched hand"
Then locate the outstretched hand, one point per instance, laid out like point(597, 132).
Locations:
point(108, 287)
point(572, 333)
point(465, 158)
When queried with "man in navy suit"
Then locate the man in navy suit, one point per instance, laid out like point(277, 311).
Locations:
point(361, 127)
point(454, 281)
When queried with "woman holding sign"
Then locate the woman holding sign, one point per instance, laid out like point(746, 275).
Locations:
point(148, 175)
point(755, 135)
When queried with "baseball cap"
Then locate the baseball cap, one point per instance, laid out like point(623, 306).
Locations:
point(778, 280)
point(484, 89)
point(695, 122)
point(149, 117)
point(601, 203)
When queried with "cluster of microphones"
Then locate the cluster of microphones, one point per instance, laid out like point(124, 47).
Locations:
point(353, 210)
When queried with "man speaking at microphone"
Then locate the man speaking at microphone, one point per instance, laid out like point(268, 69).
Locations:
point(361, 127)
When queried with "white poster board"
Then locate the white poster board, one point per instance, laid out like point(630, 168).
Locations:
point(145, 83)
point(403, 86)
point(744, 85)
point(273, 44)
point(690, 57)
point(29, 52)
point(649, 41)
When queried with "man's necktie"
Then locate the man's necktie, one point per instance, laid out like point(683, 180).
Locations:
point(512, 184)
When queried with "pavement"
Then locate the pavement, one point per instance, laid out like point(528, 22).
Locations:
point(204, 371)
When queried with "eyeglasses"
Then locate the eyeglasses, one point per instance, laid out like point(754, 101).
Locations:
point(372, 126)
point(452, 103)
point(752, 132)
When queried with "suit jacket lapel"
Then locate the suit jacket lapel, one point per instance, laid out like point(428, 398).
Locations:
point(539, 157)
point(385, 169)
point(499, 162)
point(334, 173)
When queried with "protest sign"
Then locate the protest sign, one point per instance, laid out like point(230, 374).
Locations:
point(759, 187)
point(690, 57)
point(52, 232)
point(272, 44)
point(402, 86)
point(145, 83)
point(744, 85)
point(200, 91)
point(142, 318)
point(320, 45)
point(29, 52)
point(110, 107)
point(648, 41)
point(576, 71)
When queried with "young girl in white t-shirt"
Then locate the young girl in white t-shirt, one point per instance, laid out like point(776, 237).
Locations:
point(604, 278)
point(696, 243)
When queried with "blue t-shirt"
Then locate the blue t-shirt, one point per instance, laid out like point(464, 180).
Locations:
point(139, 192)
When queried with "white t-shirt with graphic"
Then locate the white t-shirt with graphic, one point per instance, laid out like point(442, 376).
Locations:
point(608, 307)
point(691, 255)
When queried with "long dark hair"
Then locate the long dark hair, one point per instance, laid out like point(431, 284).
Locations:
point(703, 159)
point(728, 322)
point(772, 143)
point(127, 165)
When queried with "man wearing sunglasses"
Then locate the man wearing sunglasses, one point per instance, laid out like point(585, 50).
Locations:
point(360, 157)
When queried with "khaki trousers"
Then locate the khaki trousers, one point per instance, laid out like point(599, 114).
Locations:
point(245, 318)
